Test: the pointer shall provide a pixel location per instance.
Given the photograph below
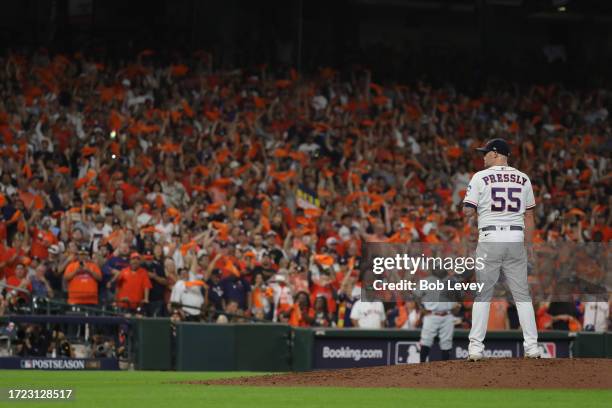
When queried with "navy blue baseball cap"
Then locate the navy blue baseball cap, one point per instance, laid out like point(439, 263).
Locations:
point(496, 145)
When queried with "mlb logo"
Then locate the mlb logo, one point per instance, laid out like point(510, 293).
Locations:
point(548, 350)
point(407, 352)
point(26, 363)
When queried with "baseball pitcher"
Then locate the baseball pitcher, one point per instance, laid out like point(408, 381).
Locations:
point(502, 198)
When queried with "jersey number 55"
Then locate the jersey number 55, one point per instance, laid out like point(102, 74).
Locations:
point(506, 199)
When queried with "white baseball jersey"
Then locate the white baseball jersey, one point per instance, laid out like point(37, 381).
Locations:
point(501, 195)
point(370, 315)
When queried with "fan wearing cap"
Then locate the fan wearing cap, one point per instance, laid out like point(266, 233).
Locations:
point(82, 277)
point(501, 198)
point(133, 285)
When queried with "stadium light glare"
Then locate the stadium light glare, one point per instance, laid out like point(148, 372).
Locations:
point(561, 9)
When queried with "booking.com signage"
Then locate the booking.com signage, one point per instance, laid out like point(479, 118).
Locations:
point(340, 353)
point(347, 353)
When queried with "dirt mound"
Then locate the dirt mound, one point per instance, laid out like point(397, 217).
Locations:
point(494, 373)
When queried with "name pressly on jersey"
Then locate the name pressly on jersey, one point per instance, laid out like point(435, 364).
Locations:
point(501, 195)
point(504, 178)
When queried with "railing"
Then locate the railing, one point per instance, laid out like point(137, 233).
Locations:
point(51, 315)
point(12, 288)
point(46, 305)
point(222, 312)
point(51, 306)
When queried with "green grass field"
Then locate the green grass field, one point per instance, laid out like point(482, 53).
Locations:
point(138, 389)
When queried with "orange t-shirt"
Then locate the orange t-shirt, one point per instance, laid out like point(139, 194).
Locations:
point(41, 240)
point(497, 315)
point(132, 285)
point(9, 268)
point(83, 288)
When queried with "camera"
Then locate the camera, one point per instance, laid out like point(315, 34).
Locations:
point(103, 350)
point(64, 349)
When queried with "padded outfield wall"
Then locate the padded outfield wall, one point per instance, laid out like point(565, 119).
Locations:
point(278, 347)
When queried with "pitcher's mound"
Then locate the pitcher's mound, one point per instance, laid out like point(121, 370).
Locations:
point(494, 373)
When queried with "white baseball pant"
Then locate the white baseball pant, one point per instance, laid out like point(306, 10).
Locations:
point(510, 258)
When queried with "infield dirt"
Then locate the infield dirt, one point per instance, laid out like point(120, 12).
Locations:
point(494, 373)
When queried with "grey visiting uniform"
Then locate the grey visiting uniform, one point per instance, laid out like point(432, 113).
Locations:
point(439, 320)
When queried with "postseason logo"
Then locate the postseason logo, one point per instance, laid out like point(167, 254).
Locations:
point(53, 364)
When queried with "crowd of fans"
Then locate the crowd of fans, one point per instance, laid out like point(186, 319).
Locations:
point(174, 189)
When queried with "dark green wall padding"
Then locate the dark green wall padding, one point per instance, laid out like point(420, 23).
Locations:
point(153, 344)
point(278, 347)
point(233, 347)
